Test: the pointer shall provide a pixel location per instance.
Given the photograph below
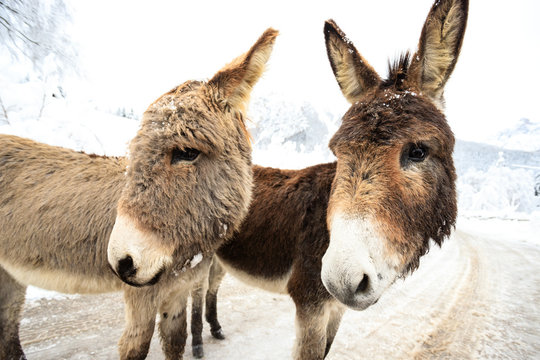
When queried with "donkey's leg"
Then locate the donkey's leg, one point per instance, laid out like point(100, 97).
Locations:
point(334, 318)
point(197, 296)
point(214, 281)
point(11, 302)
point(311, 325)
point(140, 321)
point(173, 324)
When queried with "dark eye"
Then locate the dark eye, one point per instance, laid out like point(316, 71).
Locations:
point(188, 154)
point(417, 153)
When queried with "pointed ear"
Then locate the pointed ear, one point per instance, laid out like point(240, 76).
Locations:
point(353, 73)
point(235, 81)
point(439, 47)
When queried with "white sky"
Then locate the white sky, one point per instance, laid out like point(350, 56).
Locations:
point(133, 51)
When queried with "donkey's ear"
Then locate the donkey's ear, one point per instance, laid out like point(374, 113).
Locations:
point(353, 73)
point(439, 47)
point(235, 81)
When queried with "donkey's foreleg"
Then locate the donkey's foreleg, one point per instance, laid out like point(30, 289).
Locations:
point(311, 332)
point(173, 324)
point(11, 302)
point(334, 319)
point(214, 281)
point(140, 313)
point(197, 296)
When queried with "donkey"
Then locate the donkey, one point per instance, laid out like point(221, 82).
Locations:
point(155, 218)
point(338, 235)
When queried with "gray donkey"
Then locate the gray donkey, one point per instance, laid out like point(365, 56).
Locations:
point(78, 223)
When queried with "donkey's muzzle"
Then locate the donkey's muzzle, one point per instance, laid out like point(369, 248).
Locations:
point(355, 268)
point(357, 294)
point(137, 257)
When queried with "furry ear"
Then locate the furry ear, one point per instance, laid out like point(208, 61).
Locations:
point(439, 47)
point(235, 81)
point(353, 73)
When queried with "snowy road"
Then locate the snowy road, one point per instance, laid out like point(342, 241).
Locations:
point(477, 297)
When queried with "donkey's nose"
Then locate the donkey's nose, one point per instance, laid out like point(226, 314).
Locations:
point(125, 268)
point(363, 285)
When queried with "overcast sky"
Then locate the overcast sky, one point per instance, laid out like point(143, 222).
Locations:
point(133, 51)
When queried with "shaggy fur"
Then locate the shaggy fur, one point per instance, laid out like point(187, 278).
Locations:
point(287, 231)
point(58, 206)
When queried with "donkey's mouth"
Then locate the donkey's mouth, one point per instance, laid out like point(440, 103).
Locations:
point(152, 281)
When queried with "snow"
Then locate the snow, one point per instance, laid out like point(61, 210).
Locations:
point(523, 135)
point(196, 260)
point(34, 295)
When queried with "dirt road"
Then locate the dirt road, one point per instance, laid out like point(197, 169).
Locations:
point(478, 297)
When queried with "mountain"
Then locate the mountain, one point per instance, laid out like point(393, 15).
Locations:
point(524, 135)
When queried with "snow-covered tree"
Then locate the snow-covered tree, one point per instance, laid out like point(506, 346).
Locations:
point(35, 48)
point(36, 30)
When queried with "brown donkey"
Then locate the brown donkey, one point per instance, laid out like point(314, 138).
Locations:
point(342, 233)
point(68, 218)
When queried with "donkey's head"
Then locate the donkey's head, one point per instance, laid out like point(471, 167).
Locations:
point(189, 172)
point(394, 186)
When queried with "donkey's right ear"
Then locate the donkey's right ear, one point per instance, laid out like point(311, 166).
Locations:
point(353, 73)
point(235, 81)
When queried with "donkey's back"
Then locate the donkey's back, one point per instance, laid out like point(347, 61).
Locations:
point(57, 209)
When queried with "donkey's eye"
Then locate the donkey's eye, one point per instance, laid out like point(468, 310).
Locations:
point(417, 153)
point(188, 154)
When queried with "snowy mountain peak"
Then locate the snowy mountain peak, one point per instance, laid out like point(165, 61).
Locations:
point(524, 135)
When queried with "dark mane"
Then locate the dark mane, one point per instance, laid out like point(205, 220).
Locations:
point(397, 71)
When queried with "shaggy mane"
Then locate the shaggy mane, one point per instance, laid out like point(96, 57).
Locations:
point(397, 71)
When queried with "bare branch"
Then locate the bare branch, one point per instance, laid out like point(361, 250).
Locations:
point(4, 110)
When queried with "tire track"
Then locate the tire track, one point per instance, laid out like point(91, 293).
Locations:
point(454, 334)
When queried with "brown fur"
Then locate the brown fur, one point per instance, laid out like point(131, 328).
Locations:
point(58, 207)
point(287, 233)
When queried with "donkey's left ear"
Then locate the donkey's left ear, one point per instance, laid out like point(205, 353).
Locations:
point(353, 73)
point(235, 81)
point(439, 47)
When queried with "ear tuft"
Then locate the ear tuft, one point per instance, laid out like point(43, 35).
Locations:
point(353, 73)
point(235, 81)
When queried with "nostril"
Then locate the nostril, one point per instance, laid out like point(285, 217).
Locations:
point(362, 287)
point(125, 267)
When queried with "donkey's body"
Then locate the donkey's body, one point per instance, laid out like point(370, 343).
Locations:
point(340, 234)
point(280, 246)
point(79, 223)
point(58, 208)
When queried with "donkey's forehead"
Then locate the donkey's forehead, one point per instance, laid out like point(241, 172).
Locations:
point(182, 96)
point(387, 116)
point(185, 117)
